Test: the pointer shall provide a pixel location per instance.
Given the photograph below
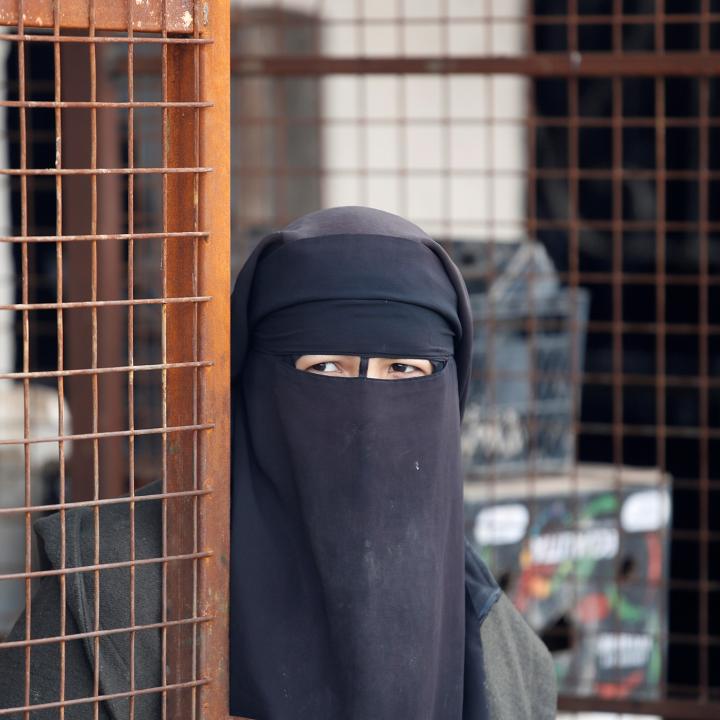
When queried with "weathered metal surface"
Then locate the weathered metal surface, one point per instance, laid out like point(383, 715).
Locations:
point(214, 329)
point(181, 207)
point(75, 14)
point(531, 65)
point(91, 365)
point(199, 203)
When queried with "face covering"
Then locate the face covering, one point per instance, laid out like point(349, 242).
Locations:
point(347, 595)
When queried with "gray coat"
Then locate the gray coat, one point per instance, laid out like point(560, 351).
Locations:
point(509, 672)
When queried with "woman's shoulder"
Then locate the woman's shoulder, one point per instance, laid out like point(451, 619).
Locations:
point(505, 656)
point(115, 520)
point(481, 589)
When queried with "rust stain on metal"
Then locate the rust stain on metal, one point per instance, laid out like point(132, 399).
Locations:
point(214, 327)
point(195, 343)
point(74, 14)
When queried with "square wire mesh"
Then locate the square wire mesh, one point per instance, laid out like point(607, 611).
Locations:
point(109, 277)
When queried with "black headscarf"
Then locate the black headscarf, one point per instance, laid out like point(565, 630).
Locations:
point(347, 565)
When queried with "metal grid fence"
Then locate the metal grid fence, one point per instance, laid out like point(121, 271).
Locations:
point(122, 275)
point(591, 128)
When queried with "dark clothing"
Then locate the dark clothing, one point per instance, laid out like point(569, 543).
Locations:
point(348, 581)
point(114, 650)
point(347, 512)
point(509, 674)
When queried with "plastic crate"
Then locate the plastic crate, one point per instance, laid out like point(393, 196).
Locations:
point(527, 359)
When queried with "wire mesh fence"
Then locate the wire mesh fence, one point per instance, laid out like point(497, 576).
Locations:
point(565, 152)
point(115, 281)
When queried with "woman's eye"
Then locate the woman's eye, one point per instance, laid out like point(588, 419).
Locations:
point(324, 367)
point(403, 368)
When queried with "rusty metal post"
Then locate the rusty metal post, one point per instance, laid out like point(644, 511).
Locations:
point(195, 460)
point(214, 520)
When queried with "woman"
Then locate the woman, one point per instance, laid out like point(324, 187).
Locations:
point(353, 594)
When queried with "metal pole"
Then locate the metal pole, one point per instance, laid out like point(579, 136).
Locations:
point(199, 137)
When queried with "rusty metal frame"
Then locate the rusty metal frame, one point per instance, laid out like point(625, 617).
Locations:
point(194, 301)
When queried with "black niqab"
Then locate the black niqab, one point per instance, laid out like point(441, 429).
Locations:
point(347, 565)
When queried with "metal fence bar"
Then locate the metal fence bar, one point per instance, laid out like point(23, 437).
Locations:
point(213, 530)
point(92, 51)
point(63, 704)
point(163, 342)
point(131, 337)
point(25, 351)
point(181, 340)
point(638, 64)
point(60, 347)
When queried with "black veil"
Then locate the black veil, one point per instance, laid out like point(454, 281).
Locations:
point(347, 593)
